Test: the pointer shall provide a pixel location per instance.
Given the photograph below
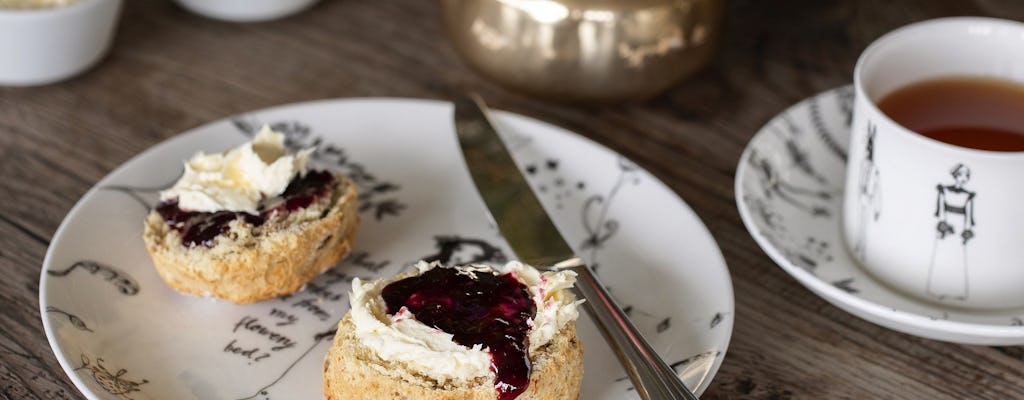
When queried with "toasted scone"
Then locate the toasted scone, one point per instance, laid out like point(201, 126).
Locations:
point(248, 262)
point(375, 365)
point(354, 372)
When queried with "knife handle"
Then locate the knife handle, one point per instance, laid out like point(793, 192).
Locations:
point(651, 376)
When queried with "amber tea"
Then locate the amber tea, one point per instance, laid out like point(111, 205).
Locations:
point(975, 112)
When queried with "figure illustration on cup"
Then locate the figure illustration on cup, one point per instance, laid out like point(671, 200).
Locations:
point(869, 196)
point(947, 271)
point(938, 118)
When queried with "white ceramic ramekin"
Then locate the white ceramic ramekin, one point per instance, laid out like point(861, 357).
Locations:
point(45, 45)
point(246, 10)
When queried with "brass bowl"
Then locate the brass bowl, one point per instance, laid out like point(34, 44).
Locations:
point(592, 50)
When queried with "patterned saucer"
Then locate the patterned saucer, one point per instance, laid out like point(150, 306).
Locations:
point(789, 186)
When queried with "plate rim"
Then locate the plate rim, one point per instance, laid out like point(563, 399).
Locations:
point(59, 235)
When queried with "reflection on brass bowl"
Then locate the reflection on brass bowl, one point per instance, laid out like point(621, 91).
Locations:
point(595, 50)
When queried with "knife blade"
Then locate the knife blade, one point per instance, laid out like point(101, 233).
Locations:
point(518, 213)
point(535, 239)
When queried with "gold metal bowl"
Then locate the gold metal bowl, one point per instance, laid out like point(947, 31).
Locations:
point(592, 50)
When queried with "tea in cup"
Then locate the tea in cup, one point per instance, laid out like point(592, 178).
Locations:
point(934, 200)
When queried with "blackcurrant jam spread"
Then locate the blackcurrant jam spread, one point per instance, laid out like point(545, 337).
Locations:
point(197, 227)
point(475, 308)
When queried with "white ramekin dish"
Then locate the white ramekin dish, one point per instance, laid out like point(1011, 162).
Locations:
point(246, 10)
point(45, 45)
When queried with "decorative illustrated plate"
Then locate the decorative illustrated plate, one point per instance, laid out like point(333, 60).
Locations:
point(789, 186)
point(120, 333)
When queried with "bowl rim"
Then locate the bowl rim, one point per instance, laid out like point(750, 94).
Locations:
point(39, 13)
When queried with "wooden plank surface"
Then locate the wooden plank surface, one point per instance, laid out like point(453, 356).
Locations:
point(170, 70)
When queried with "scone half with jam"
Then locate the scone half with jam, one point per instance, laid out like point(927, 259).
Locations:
point(466, 332)
point(251, 223)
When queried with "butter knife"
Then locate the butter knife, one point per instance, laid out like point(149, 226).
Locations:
point(536, 240)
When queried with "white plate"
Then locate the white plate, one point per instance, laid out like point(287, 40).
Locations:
point(789, 186)
point(120, 332)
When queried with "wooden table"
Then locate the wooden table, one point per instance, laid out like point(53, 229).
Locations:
point(170, 70)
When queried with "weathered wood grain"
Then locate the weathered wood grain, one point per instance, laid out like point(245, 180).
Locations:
point(170, 71)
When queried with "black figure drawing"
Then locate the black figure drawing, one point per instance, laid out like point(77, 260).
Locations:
point(954, 210)
point(869, 197)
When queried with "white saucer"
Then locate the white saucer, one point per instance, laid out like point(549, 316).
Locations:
point(789, 186)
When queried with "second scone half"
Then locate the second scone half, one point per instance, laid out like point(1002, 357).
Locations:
point(251, 223)
point(468, 332)
point(248, 263)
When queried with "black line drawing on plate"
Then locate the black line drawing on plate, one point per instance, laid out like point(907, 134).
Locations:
point(769, 217)
point(822, 130)
point(323, 289)
point(554, 185)
point(664, 325)
point(954, 210)
point(596, 222)
point(717, 319)
point(72, 318)
point(317, 339)
point(812, 201)
point(799, 157)
point(599, 227)
point(689, 360)
point(943, 317)
point(869, 195)
point(677, 366)
point(375, 195)
point(330, 277)
point(806, 254)
point(646, 321)
point(114, 383)
point(777, 187)
point(124, 282)
point(362, 260)
point(137, 192)
point(846, 285)
point(454, 249)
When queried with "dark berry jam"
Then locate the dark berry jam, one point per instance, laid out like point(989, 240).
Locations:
point(490, 310)
point(197, 227)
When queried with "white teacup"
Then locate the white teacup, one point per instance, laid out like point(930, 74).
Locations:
point(937, 221)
